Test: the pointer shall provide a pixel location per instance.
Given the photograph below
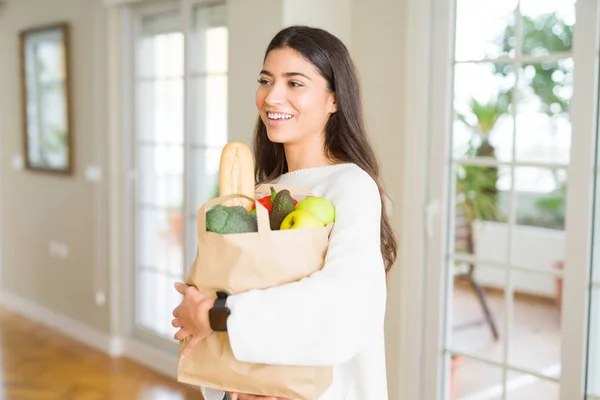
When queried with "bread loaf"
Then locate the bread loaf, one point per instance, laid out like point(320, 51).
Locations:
point(236, 174)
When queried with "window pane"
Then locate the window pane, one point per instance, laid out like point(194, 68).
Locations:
point(543, 124)
point(481, 212)
point(535, 337)
point(192, 245)
point(160, 176)
point(485, 29)
point(210, 38)
point(160, 47)
point(477, 320)
point(547, 26)
point(156, 300)
point(208, 85)
point(159, 241)
point(540, 201)
point(160, 111)
point(511, 143)
point(148, 283)
point(209, 95)
point(205, 175)
point(159, 155)
point(529, 387)
point(483, 125)
point(474, 380)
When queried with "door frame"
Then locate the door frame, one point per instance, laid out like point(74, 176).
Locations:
point(132, 14)
point(135, 13)
point(2, 129)
point(579, 202)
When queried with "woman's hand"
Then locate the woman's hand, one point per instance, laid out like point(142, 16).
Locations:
point(240, 396)
point(191, 316)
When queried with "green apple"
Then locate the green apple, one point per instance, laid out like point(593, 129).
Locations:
point(319, 206)
point(298, 219)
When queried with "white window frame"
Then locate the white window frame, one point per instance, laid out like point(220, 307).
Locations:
point(579, 201)
point(136, 331)
point(124, 320)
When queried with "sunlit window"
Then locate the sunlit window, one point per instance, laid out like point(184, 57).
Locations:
point(511, 144)
point(180, 129)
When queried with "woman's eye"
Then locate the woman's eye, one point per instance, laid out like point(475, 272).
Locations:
point(263, 81)
point(296, 84)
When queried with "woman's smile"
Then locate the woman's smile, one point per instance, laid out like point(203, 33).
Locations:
point(278, 118)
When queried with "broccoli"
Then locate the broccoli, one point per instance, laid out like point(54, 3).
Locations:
point(222, 219)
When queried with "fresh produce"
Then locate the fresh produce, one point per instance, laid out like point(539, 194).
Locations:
point(319, 206)
point(267, 201)
point(236, 171)
point(298, 219)
point(235, 177)
point(238, 215)
point(310, 212)
point(224, 220)
point(283, 204)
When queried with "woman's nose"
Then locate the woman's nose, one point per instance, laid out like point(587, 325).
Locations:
point(275, 96)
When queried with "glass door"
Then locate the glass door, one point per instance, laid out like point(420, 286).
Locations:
point(508, 167)
point(179, 108)
point(593, 316)
point(593, 359)
point(159, 165)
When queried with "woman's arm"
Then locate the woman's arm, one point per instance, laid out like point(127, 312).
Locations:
point(326, 318)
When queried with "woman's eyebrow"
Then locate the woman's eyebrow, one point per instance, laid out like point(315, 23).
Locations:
point(286, 74)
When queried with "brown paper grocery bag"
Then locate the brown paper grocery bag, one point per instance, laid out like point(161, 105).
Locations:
point(254, 260)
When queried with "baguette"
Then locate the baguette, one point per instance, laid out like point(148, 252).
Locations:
point(236, 174)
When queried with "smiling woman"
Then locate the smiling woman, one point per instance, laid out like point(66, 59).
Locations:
point(310, 133)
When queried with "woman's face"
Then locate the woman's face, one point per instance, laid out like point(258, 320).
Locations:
point(292, 98)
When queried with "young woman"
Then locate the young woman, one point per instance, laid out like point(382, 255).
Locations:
point(310, 133)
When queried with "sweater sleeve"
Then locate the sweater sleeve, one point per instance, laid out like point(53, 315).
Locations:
point(326, 318)
point(212, 394)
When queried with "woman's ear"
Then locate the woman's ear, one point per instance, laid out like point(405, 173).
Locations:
point(332, 103)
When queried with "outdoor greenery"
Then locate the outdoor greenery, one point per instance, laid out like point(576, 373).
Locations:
point(477, 185)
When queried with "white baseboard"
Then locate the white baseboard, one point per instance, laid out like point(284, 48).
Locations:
point(66, 325)
point(141, 353)
point(151, 358)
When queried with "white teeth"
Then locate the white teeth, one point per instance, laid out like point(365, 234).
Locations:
point(279, 116)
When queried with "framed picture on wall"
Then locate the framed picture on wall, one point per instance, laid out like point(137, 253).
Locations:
point(46, 98)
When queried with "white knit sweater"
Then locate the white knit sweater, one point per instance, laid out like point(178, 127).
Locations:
point(334, 317)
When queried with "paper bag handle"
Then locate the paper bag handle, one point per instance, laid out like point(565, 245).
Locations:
point(262, 214)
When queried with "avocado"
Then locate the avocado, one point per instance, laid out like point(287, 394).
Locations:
point(222, 219)
point(283, 204)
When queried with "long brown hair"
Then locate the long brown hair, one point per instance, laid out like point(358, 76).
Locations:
point(345, 136)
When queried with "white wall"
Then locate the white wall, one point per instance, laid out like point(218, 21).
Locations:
point(333, 15)
point(380, 31)
point(39, 208)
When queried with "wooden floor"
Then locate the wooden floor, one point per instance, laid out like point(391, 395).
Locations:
point(37, 363)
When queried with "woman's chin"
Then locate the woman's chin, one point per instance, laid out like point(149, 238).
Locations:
point(277, 137)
